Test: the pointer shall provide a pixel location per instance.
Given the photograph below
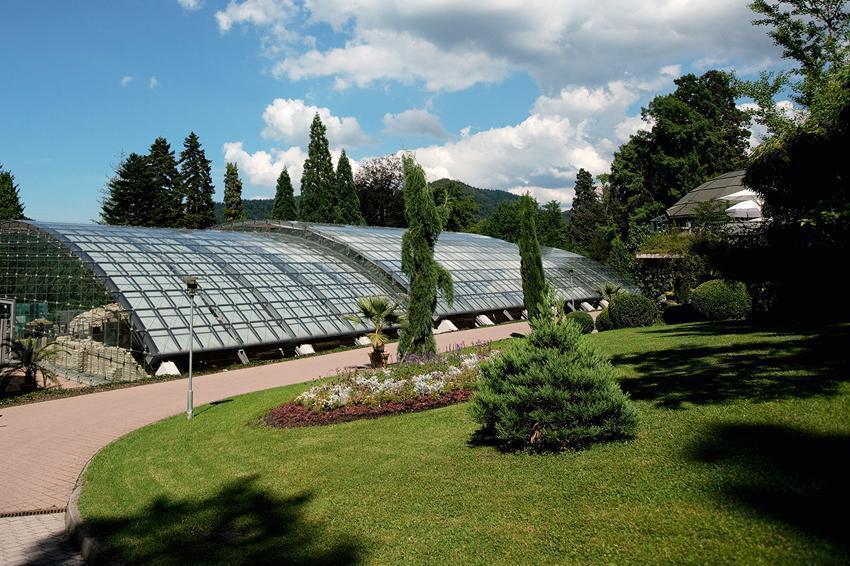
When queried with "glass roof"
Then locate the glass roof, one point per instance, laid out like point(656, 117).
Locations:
point(255, 288)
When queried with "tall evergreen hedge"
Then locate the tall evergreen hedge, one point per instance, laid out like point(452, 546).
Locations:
point(531, 264)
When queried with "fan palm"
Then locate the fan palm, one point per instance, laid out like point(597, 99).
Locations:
point(609, 290)
point(379, 312)
point(32, 360)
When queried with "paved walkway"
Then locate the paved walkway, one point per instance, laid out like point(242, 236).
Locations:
point(44, 446)
point(38, 540)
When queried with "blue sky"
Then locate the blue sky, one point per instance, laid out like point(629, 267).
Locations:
point(506, 94)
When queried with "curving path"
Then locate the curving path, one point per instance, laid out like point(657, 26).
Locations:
point(44, 446)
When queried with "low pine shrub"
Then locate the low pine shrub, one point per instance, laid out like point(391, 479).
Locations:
point(629, 310)
point(551, 391)
point(603, 321)
point(584, 321)
point(722, 300)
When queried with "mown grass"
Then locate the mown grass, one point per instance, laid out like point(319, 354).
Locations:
point(739, 458)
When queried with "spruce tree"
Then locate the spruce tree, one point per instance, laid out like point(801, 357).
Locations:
point(425, 221)
point(531, 264)
point(10, 198)
point(318, 181)
point(551, 226)
point(127, 201)
point(198, 188)
point(233, 209)
point(167, 198)
point(347, 202)
point(284, 199)
point(587, 219)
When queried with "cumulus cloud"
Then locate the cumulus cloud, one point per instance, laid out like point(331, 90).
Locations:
point(126, 80)
point(256, 12)
point(153, 82)
point(563, 197)
point(191, 5)
point(289, 120)
point(262, 168)
point(416, 122)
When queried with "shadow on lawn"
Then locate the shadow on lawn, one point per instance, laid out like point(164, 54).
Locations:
point(760, 370)
point(793, 476)
point(241, 524)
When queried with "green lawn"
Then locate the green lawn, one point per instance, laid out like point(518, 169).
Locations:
point(738, 459)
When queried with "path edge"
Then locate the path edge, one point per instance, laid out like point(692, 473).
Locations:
point(92, 550)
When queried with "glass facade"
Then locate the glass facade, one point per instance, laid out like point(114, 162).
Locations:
point(115, 297)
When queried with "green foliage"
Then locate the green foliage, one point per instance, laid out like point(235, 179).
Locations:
point(603, 321)
point(31, 360)
point(552, 391)
point(196, 181)
point(128, 192)
point(584, 321)
point(587, 219)
point(425, 221)
point(620, 259)
point(284, 199)
point(233, 210)
point(486, 200)
point(531, 263)
point(722, 300)
point(697, 133)
point(629, 310)
point(678, 314)
point(609, 290)
point(379, 312)
point(504, 223)
point(347, 203)
point(10, 198)
point(380, 187)
point(318, 182)
point(462, 205)
point(674, 242)
point(167, 195)
point(551, 226)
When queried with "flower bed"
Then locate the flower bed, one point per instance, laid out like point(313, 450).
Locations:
point(408, 387)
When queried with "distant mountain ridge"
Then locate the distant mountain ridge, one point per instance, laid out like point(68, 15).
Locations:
point(487, 199)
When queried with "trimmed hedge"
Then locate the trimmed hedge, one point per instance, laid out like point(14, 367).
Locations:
point(551, 391)
point(603, 321)
point(631, 310)
point(722, 300)
point(584, 320)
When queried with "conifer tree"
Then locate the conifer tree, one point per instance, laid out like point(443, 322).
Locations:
point(587, 219)
point(233, 209)
point(10, 198)
point(284, 199)
point(551, 226)
point(531, 263)
point(196, 179)
point(167, 198)
point(318, 181)
point(425, 221)
point(347, 201)
point(127, 201)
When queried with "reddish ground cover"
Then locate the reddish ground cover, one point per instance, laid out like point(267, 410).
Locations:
point(291, 415)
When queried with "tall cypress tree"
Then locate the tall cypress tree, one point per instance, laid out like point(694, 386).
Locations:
point(10, 198)
point(127, 201)
point(425, 221)
point(168, 193)
point(196, 179)
point(531, 264)
point(284, 199)
point(347, 202)
point(587, 219)
point(319, 180)
point(233, 209)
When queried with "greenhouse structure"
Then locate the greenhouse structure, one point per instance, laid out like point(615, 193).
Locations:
point(112, 302)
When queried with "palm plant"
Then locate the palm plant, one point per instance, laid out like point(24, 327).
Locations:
point(32, 360)
point(381, 313)
point(609, 290)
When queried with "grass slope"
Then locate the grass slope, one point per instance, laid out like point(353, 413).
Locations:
point(738, 459)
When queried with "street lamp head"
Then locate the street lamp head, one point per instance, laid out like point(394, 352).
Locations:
point(191, 285)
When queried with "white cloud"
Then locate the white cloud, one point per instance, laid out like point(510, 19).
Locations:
point(191, 5)
point(289, 120)
point(126, 80)
point(257, 12)
point(153, 82)
point(629, 126)
point(564, 197)
point(415, 122)
point(262, 168)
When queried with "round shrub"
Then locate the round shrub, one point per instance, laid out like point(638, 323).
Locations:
point(551, 391)
point(584, 320)
point(629, 310)
point(603, 321)
point(677, 314)
point(722, 300)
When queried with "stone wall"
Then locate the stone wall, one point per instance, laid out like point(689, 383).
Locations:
point(90, 357)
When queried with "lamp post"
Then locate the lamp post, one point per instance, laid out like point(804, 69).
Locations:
point(191, 289)
point(572, 290)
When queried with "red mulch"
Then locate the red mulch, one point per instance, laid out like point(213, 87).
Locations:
point(292, 415)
